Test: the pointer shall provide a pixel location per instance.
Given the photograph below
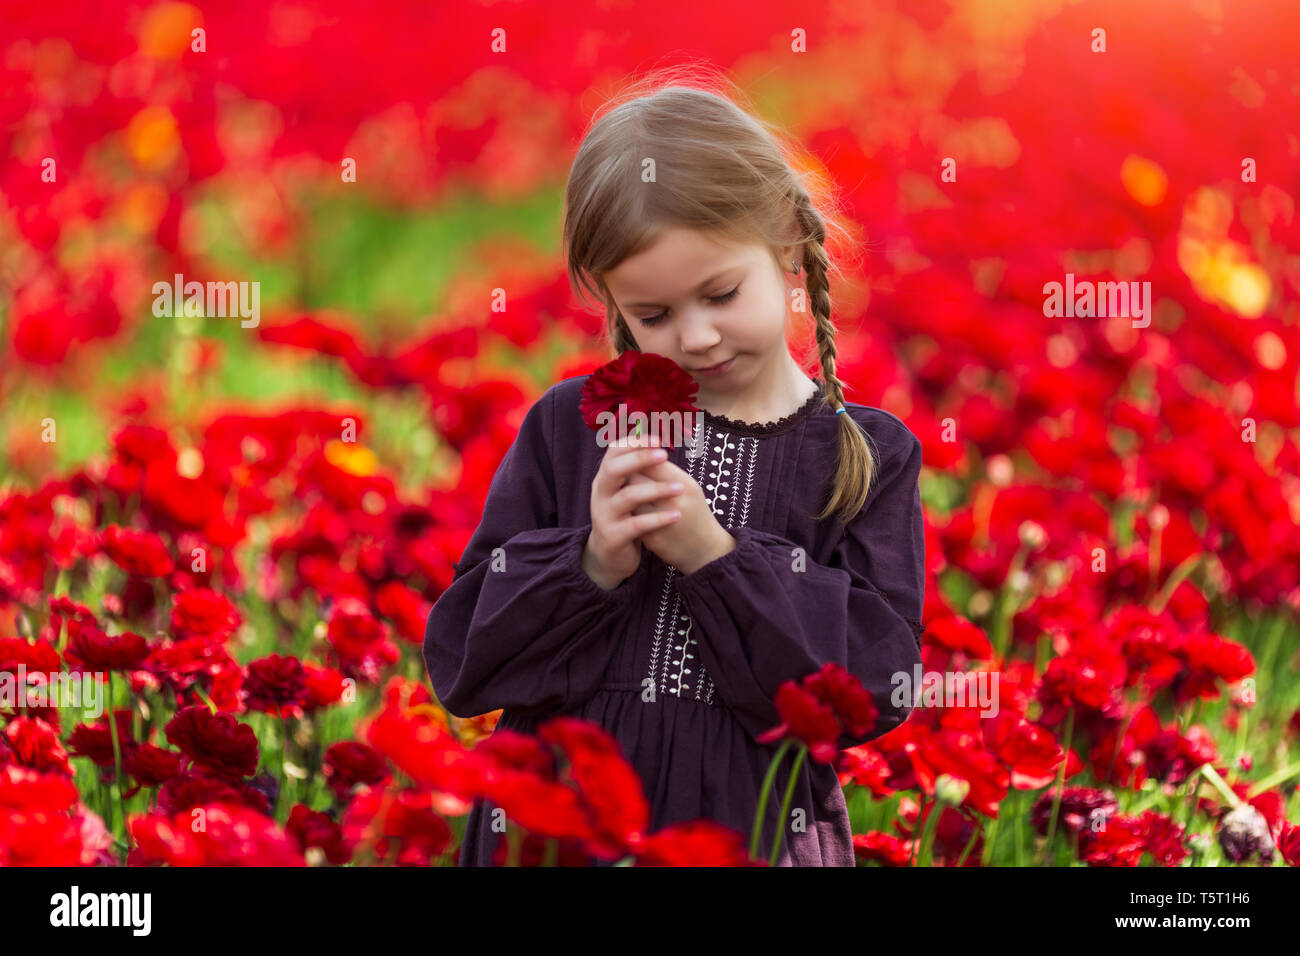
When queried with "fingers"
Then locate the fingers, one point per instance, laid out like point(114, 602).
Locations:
point(641, 493)
point(620, 463)
point(638, 525)
point(627, 530)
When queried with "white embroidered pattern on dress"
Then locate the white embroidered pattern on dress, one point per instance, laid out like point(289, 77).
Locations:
point(729, 488)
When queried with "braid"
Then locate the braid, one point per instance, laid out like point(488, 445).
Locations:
point(856, 463)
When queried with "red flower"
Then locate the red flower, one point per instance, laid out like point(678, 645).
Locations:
point(404, 822)
point(195, 790)
point(1080, 808)
point(1208, 658)
point(823, 707)
point(324, 686)
point(853, 705)
point(232, 835)
point(63, 607)
point(404, 607)
point(883, 848)
point(216, 743)
point(520, 779)
point(641, 382)
point(1288, 843)
point(425, 750)
point(695, 843)
point(961, 755)
point(137, 552)
point(276, 685)
point(93, 650)
point(311, 828)
point(806, 719)
point(349, 763)
point(152, 766)
point(1124, 839)
point(96, 741)
point(360, 640)
point(31, 742)
point(1031, 753)
point(204, 612)
point(610, 787)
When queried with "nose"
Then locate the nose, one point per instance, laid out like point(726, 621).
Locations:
point(698, 335)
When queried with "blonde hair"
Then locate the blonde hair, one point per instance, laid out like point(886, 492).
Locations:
point(718, 169)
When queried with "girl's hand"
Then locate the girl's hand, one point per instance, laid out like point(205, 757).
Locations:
point(694, 540)
point(613, 550)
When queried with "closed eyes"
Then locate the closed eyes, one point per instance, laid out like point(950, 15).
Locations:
point(716, 300)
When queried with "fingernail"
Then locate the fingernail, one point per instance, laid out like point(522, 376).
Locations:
point(660, 453)
point(676, 486)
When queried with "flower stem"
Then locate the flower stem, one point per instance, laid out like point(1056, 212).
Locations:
point(284, 760)
point(1224, 790)
point(990, 841)
point(1286, 773)
point(785, 804)
point(762, 797)
point(970, 844)
point(1060, 784)
point(927, 835)
point(1176, 577)
point(117, 760)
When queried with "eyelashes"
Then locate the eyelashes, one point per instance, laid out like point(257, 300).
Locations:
point(716, 300)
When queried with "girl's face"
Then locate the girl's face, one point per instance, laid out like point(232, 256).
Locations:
point(703, 301)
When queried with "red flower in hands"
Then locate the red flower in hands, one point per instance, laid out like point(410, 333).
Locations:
point(821, 708)
point(642, 382)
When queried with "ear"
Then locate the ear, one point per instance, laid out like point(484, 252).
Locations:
point(789, 256)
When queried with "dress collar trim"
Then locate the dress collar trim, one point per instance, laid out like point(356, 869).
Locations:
point(765, 429)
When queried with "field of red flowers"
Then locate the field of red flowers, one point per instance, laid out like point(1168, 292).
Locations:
point(235, 526)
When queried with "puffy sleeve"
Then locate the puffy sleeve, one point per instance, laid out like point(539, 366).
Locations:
point(522, 625)
point(763, 618)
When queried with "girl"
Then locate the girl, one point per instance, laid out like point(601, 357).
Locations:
point(663, 596)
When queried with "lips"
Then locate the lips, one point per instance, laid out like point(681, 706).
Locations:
point(713, 368)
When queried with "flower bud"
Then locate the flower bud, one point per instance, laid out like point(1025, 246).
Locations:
point(951, 790)
point(1244, 834)
point(1032, 534)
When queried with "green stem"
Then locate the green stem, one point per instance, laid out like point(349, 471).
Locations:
point(1042, 651)
point(284, 760)
point(204, 697)
point(785, 804)
point(514, 841)
point(1194, 787)
point(1219, 784)
point(927, 835)
point(1060, 783)
point(1019, 798)
point(970, 844)
point(1119, 744)
point(1176, 577)
point(117, 759)
point(1008, 602)
point(989, 841)
point(762, 796)
point(1272, 780)
point(1192, 716)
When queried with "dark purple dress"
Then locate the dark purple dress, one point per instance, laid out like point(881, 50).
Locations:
point(682, 669)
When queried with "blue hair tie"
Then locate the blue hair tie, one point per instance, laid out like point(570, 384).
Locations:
point(840, 411)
